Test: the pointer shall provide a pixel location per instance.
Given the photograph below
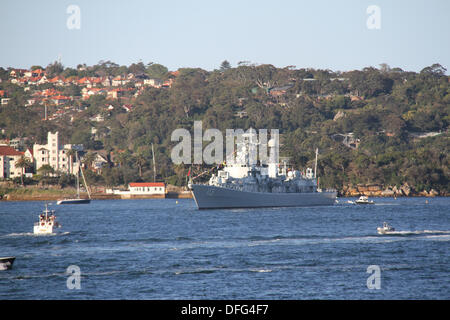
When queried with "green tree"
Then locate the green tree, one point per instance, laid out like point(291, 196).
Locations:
point(54, 69)
point(225, 65)
point(155, 70)
point(89, 158)
point(22, 163)
point(137, 68)
point(140, 160)
point(46, 170)
point(435, 70)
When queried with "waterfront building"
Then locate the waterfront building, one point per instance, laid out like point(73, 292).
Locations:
point(56, 155)
point(143, 188)
point(8, 158)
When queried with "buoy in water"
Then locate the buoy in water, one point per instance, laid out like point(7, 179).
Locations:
point(176, 202)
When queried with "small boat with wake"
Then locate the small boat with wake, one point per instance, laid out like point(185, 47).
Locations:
point(385, 229)
point(6, 262)
point(364, 200)
point(47, 221)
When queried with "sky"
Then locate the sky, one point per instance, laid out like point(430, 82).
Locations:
point(321, 34)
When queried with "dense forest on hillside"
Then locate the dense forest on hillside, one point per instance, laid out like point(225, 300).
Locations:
point(376, 125)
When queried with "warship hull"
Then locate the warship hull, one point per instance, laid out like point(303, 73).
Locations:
point(212, 197)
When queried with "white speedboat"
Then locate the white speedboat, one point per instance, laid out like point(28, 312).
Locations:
point(47, 222)
point(6, 262)
point(364, 200)
point(385, 229)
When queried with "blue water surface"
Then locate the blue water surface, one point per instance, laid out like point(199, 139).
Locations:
point(167, 249)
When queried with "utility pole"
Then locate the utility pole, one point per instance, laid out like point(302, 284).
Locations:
point(154, 164)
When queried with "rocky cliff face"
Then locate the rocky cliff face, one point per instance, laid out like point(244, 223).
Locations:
point(381, 191)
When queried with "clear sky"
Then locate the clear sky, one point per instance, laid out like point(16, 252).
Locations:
point(322, 34)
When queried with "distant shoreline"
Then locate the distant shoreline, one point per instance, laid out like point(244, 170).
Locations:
point(11, 197)
point(51, 193)
point(12, 192)
point(55, 197)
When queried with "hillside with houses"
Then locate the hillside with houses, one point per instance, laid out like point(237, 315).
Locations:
point(381, 129)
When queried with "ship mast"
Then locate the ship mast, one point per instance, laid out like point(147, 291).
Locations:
point(84, 179)
point(78, 175)
point(154, 164)
point(85, 184)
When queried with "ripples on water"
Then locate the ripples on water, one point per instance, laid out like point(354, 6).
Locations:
point(160, 249)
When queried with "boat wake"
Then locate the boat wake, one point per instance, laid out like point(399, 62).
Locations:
point(419, 232)
point(31, 234)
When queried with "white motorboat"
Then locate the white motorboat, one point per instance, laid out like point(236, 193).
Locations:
point(6, 262)
point(385, 229)
point(364, 200)
point(47, 222)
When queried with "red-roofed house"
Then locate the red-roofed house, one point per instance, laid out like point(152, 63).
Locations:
point(106, 82)
point(59, 100)
point(119, 81)
point(8, 158)
point(37, 73)
point(71, 79)
point(36, 80)
point(29, 154)
point(141, 190)
point(168, 83)
point(144, 188)
point(87, 93)
point(49, 92)
point(15, 73)
point(84, 81)
point(156, 83)
point(57, 80)
point(96, 81)
point(117, 93)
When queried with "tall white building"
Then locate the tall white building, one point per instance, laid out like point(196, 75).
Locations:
point(55, 155)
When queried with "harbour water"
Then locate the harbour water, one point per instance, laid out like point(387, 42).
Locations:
point(167, 249)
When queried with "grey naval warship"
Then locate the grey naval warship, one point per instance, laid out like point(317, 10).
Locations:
point(242, 185)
